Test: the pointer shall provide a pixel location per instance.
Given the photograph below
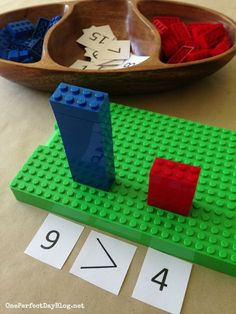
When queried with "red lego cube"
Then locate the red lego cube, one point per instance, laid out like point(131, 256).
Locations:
point(172, 185)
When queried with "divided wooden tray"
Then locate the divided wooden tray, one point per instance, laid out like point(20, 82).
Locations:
point(129, 19)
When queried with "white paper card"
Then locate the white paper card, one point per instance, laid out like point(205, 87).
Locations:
point(162, 281)
point(104, 261)
point(117, 49)
point(104, 51)
point(112, 63)
point(54, 241)
point(84, 65)
point(104, 29)
point(96, 38)
point(134, 60)
point(91, 53)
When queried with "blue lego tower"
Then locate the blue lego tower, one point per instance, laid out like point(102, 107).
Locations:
point(84, 120)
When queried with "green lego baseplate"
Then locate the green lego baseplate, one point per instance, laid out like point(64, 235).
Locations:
point(206, 237)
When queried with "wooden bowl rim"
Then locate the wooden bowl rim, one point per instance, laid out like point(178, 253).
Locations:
point(54, 66)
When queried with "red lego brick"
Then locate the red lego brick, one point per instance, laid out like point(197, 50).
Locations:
point(224, 45)
point(162, 28)
point(206, 39)
point(168, 20)
point(169, 44)
point(181, 54)
point(172, 185)
point(180, 32)
point(193, 44)
point(198, 55)
point(197, 29)
point(212, 37)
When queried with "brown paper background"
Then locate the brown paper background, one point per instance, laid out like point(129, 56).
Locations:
point(26, 121)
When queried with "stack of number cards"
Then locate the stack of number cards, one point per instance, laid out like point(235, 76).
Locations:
point(105, 51)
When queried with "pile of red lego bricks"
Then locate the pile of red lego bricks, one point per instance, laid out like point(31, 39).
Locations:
point(183, 42)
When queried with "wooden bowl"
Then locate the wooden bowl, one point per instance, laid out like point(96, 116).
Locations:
point(129, 19)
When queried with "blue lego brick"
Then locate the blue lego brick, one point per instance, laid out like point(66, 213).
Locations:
point(5, 33)
point(27, 50)
point(20, 29)
point(36, 47)
point(89, 150)
point(71, 123)
point(87, 161)
point(4, 54)
point(41, 28)
point(81, 103)
point(54, 20)
point(95, 137)
point(13, 55)
point(84, 120)
point(24, 53)
point(68, 120)
point(14, 46)
point(28, 60)
point(30, 43)
point(5, 41)
point(18, 55)
point(20, 44)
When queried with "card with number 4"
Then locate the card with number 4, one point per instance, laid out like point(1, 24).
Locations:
point(54, 241)
point(163, 281)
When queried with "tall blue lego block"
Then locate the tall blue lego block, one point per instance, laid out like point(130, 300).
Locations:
point(20, 29)
point(41, 28)
point(84, 120)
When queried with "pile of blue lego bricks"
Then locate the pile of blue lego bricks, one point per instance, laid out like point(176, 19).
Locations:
point(22, 41)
